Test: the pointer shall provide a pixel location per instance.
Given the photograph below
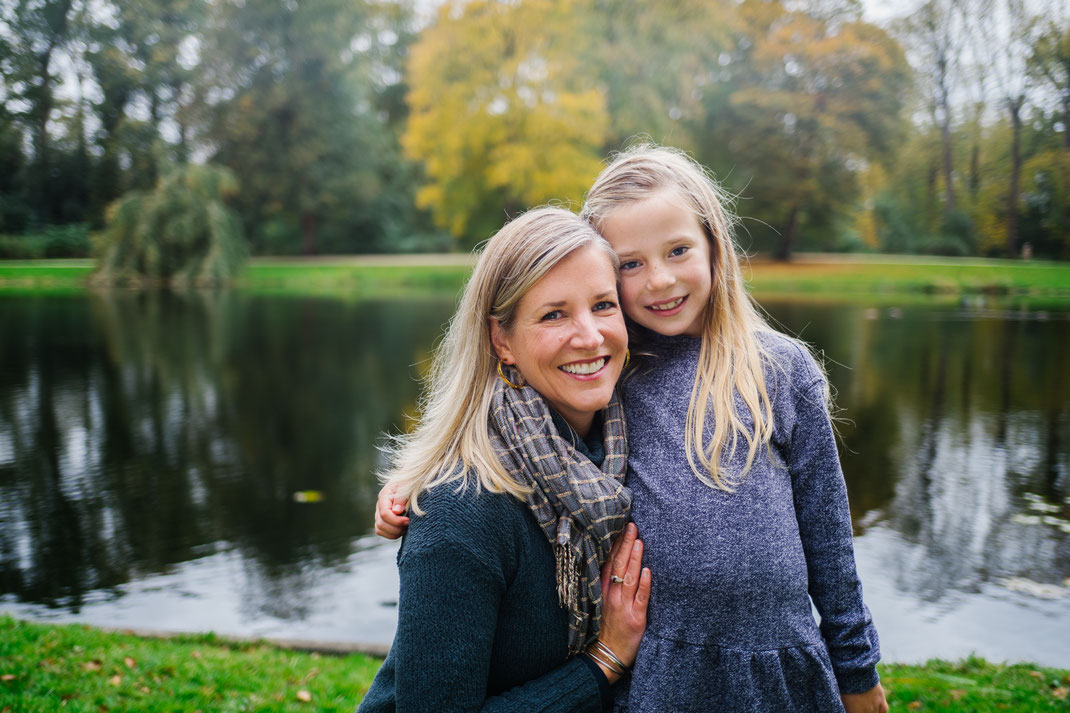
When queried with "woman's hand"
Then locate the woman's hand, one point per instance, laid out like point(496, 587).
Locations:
point(624, 602)
point(872, 701)
point(390, 519)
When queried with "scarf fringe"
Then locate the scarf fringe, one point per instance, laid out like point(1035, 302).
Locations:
point(568, 575)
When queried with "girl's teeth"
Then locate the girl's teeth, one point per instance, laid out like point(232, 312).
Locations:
point(668, 305)
point(586, 368)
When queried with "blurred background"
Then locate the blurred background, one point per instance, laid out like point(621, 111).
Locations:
point(205, 459)
point(355, 126)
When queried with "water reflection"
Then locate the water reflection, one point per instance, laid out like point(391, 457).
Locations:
point(956, 441)
point(151, 446)
point(138, 431)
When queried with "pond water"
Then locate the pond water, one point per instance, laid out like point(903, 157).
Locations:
point(205, 462)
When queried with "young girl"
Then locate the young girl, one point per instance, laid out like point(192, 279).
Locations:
point(733, 467)
point(736, 482)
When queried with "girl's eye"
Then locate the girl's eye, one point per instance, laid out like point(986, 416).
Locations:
point(550, 316)
point(604, 305)
point(678, 251)
point(629, 265)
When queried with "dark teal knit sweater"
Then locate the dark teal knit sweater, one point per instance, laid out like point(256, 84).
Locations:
point(479, 624)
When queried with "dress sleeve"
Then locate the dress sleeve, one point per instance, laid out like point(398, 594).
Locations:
point(824, 519)
point(447, 617)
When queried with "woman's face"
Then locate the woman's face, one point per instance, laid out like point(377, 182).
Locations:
point(568, 338)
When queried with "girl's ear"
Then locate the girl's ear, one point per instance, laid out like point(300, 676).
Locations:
point(500, 341)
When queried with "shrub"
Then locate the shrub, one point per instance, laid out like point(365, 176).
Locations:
point(180, 233)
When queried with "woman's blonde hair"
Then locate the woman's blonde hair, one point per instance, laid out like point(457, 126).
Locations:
point(450, 441)
point(732, 358)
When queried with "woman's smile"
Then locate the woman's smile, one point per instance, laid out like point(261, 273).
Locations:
point(585, 370)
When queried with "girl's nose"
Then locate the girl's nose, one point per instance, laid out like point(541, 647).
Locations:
point(660, 278)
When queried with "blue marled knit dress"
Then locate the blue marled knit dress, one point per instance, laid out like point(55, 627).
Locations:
point(730, 623)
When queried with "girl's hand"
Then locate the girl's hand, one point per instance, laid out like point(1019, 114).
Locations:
point(624, 603)
point(872, 701)
point(390, 519)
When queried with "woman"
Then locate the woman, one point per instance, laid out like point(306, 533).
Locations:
point(514, 476)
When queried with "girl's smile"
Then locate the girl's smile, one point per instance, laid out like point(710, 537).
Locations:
point(665, 266)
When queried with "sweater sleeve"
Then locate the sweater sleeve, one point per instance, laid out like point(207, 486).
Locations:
point(448, 614)
point(824, 518)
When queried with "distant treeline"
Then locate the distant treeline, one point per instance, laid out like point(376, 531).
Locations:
point(371, 126)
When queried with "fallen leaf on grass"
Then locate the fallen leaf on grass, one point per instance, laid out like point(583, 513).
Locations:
point(1036, 674)
point(196, 654)
point(304, 696)
point(957, 693)
point(1060, 692)
point(130, 663)
point(8, 677)
point(914, 705)
point(115, 680)
point(93, 665)
point(145, 689)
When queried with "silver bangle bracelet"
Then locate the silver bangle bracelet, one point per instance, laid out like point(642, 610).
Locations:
point(595, 656)
point(604, 655)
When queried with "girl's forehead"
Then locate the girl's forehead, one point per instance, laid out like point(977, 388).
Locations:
point(651, 216)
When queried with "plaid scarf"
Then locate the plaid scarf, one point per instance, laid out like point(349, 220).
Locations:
point(579, 506)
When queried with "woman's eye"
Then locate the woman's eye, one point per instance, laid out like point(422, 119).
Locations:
point(678, 251)
point(604, 305)
point(629, 265)
point(550, 316)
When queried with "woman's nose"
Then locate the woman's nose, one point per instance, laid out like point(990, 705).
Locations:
point(587, 335)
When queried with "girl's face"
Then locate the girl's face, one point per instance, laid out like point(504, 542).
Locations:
point(664, 263)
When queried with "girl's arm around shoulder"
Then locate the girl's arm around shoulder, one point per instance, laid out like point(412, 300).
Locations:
point(824, 518)
point(454, 574)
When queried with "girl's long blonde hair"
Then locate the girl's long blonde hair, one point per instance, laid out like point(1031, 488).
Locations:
point(450, 441)
point(732, 358)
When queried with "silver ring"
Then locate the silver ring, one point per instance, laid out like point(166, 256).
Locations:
point(615, 579)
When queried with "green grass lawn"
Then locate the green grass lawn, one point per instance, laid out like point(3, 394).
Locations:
point(44, 668)
point(85, 670)
point(835, 277)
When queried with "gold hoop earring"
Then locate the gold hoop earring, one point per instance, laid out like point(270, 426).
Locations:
point(627, 357)
point(501, 375)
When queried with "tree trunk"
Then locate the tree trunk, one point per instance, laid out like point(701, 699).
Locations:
point(949, 168)
point(788, 237)
point(308, 232)
point(1014, 108)
point(975, 169)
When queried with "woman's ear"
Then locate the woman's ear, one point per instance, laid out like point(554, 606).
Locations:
point(500, 341)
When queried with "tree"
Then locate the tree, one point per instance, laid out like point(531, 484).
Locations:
point(815, 96)
point(1049, 66)
point(180, 233)
point(504, 113)
point(937, 36)
point(1009, 30)
point(40, 30)
point(287, 100)
point(657, 64)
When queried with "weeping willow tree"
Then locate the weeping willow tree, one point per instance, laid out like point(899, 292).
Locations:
point(181, 233)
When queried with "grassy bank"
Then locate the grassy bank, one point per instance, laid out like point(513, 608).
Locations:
point(817, 276)
point(44, 667)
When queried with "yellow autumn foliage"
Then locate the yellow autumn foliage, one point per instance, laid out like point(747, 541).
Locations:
point(503, 116)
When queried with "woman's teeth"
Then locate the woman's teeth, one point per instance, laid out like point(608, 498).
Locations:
point(668, 305)
point(589, 367)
